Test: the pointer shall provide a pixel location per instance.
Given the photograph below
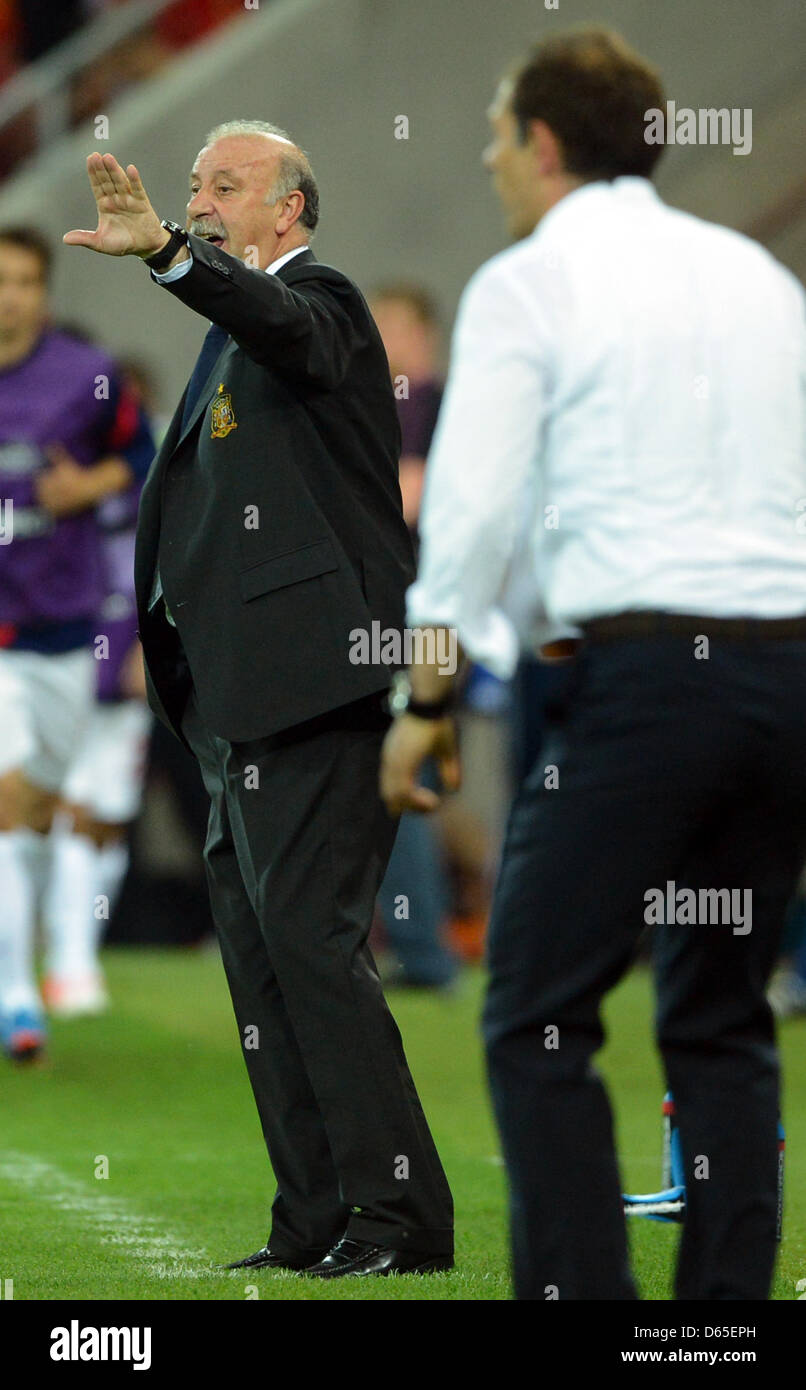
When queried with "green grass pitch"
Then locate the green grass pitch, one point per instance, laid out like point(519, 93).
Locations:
point(157, 1088)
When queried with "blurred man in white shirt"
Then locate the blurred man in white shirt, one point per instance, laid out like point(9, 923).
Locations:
point(621, 457)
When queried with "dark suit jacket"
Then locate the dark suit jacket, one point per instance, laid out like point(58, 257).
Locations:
point(276, 514)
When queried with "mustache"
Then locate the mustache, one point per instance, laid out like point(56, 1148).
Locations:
point(202, 227)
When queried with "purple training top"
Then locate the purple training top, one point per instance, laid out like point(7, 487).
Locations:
point(65, 392)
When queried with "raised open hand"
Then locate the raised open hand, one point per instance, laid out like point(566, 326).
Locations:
point(127, 223)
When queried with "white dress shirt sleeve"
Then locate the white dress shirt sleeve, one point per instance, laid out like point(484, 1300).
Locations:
point(480, 476)
point(175, 273)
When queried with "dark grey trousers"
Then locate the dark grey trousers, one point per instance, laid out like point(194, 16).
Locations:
point(668, 768)
point(298, 842)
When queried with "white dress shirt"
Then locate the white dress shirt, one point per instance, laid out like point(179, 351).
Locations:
point(642, 373)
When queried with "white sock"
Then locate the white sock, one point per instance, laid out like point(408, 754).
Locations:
point(35, 850)
point(113, 861)
point(71, 926)
point(18, 988)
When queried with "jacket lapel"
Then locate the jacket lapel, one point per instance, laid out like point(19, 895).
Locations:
point(149, 524)
point(176, 434)
point(218, 367)
point(305, 257)
point(145, 557)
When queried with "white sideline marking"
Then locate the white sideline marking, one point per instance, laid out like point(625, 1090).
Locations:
point(112, 1219)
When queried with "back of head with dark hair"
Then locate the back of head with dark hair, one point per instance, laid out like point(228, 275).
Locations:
point(593, 91)
point(30, 239)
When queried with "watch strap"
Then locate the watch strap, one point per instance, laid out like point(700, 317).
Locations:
point(162, 259)
point(403, 701)
point(431, 709)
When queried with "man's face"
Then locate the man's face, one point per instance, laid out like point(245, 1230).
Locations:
point(23, 292)
point(229, 184)
point(513, 167)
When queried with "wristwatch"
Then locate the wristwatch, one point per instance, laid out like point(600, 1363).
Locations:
point(162, 259)
point(402, 701)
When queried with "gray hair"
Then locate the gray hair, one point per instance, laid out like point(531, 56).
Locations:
point(294, 174)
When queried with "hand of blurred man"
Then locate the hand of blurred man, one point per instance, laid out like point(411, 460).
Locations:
point(67, 487)
point(408, 743)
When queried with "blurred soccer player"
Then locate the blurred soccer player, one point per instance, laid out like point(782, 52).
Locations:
point(407, 320)
point(629, 382)
point(68, 440)
point(409, 326)
point(103, 787)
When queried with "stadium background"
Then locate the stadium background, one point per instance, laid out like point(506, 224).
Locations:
point(156, 1084)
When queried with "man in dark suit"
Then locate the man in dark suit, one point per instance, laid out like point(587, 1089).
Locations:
point(271, 532)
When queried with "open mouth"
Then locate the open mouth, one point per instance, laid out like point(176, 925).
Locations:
point(213, 238)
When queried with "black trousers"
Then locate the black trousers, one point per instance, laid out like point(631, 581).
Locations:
point(297, 845)
point(668, 769)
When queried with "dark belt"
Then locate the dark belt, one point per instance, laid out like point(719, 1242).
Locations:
point(649, 623)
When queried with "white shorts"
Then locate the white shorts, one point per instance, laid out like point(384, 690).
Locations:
point(106, 775)
point(45, 702)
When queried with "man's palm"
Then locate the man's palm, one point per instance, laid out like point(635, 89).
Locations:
point(127, 223)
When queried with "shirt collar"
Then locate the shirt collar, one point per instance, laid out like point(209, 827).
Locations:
point(630, 188)
point(281, 260)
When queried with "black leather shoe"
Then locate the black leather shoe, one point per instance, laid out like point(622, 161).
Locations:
point(361, 1257)
point(264, 1259)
